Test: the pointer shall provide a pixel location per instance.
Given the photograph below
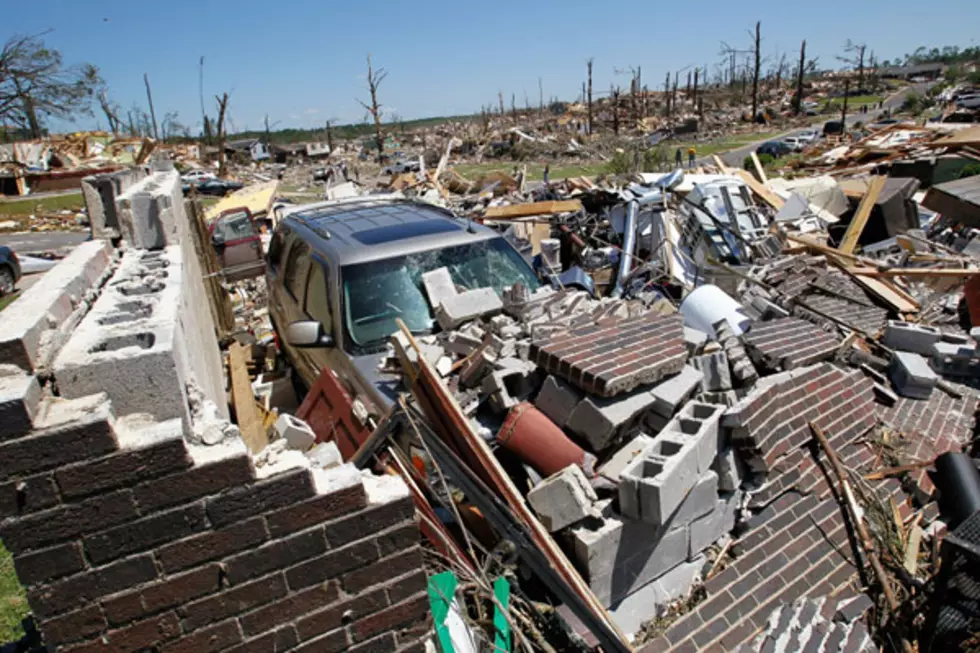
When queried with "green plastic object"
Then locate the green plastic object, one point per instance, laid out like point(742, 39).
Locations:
point(501, 590)
point(442, 588)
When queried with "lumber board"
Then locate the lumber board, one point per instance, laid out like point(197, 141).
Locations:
point(916, 272)
point(861, 216)
point(761, 190)
point(720, 164)
point(758, 168)
point(532, 208)
point(246, 411)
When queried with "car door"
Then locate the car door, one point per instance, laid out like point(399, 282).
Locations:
point(316, 306)
point(237, 243)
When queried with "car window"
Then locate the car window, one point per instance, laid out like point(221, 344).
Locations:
point(317, 299)
point(297, 265)
point(235, 226)
point(274, 254)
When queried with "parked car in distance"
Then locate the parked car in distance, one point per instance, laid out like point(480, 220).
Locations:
point(796, 143)
point(341, 272)
point(774, 149)
point(218, 187)
point(197, 176)
point(9, 270)
point(237, 243)
point(808, 135)
point(398, 167)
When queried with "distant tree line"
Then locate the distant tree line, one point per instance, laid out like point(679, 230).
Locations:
point(948, 54)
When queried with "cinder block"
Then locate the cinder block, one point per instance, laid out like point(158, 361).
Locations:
point(472, 373)
point(695, 340)
point(19, 397)
point(618, 556)
point(506, 387)
point(146, 211)
point(653, 485)
point(462, 344)
point(563, 498)
point(916, 338)
point(714, 367)
point(699, 423)
point(100, 193)
point(613, 468)
point(714, 525)
point(557, 400)
point(297, 433)
point(467, 306)
point(439, 286)
point(635, 610)
point(912, 375)
point(954, 359)
point(699, 501)
point(601, 421)
point(730, 470)
point(670, 394)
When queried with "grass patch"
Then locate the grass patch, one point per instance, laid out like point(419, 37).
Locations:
point(6, 301)
point(53, 204)
point(535, 170)
point(856, 100)
point(13, 604)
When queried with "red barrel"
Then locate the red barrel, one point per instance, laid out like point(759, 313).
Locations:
point(540, 443)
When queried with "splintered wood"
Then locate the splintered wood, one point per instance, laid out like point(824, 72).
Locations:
point(246, 412)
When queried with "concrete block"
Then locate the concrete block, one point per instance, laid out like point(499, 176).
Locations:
point(132, 344)
point(912, 375)
point(563, 498)
point(695, 340)
point(100, 193)
point(958, 339)
point(653, 485)
point(655, 422)
point(19, 398)
point(730, 470)
point(618, 556)
point(297, 433)
point(507, 388)
point(635, 610)
point(955, 359)
point(916, 338)
point(472, 373)
point(438, 285)
point(35, 325)
point(467, 306)
point(714, 525)
point(462, 344)
point(670, 394)
point(699, 501)
point(147, 211)
point(601, 421)
point(557, 400)
point(699, 423)
point(613, 468)
point(728, 398)
point(714, 367)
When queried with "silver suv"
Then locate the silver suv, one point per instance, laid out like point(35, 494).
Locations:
point(341, 272)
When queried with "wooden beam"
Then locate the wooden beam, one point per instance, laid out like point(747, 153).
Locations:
point(762, 191)
point(246, 412)
point(861, 216)
point(533, 208)
point(720, 164)
point(760, 171)
point(915, 272)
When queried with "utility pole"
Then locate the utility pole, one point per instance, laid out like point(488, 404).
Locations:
point(513, 107)
point(798, 98)
point(500, 99)
point(614, 92)
point(843, 112)
point(222, 108)
point(755, 74)
point(667, 95)
point(206, 124)
point(329, 136)
point(149, 98)
point(589, 65)
point(694, 100)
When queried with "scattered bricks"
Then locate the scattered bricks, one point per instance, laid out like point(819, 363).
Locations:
point(438, 286)
point(714, 367)
point(475, 369)
point(916, 338)
point(19, 397)
point(123, 468)
point(912, 375)
point(277, 554)
point(557, 400)
point(618, 556)
point(74, 626)
point(613, 468)
point(614, 358)
point(853, 609)
point(700, 501)
point(46, 448)
point(465, 306)
point(86, 587)
point(297, 433)
point(563, 498)
point(210, 640)
point(67, 522)
point(230, 602)
point(49, 564)
point(390, 619)
point(462, 344)
point(602, 421)
point(730, 470)
point(654, 484)
point(694, 340)
point(789, 343)
point(212, 545)
point(145, 533)
point(261, 497)
point(670, 394)
point(200, 481)
point(28, 495)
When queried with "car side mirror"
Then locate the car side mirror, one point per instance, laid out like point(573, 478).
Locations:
point(308, 333)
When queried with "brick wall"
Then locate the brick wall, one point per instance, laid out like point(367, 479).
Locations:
point(127, 538)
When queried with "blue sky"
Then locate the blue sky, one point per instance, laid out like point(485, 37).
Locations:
point(302, 62)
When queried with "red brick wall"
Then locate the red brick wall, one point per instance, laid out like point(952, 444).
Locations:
point(141, 548)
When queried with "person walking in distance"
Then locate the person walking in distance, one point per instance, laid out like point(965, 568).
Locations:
point(691, 155)
point(678, 159)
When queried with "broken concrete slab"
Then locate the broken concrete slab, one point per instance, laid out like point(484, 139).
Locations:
point(563, 499)
point(916, 338)
point(613, 468)
point(466, 306)
point(148, 211)
point(438, 286)
point(912, 375)
point(557, 400)
point(670, 394)
point(700, 501)
point(602, 421)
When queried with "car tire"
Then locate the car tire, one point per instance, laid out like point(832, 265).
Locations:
point(6, 281)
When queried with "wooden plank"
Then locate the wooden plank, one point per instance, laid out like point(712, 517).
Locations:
point(760, 171)
point(720, 164)
point(916, 272)
point(763, 192)
point(246, 412)
point(898, 299)
point(911, 561)
point(533, 208)
point(861, 216)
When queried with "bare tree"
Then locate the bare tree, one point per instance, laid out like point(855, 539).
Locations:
point(329, 137)
point(614, 94)
point(588, 64)
point(667, 95)
point(374, 79)
point(110, 109)
point(694, 99)
point(149, 99)
point(222, 110)
point(755, 73)
point(500, 99)
point(855, 58)
point(798, 96)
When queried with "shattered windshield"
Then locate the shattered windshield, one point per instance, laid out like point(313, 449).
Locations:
point(377, 293)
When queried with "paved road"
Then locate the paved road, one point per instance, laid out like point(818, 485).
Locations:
point(42, 241)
